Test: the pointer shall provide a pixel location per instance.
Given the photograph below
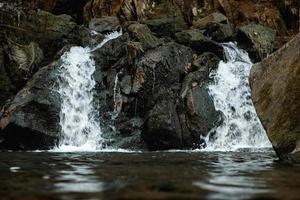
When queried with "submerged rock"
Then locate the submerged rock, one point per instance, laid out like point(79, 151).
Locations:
point(275, 84)
point(31, 120)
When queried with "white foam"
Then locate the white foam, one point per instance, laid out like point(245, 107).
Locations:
point(79, 118)
point(231, 94)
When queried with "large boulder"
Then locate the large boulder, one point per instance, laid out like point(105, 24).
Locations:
point(275, 84)
point(257, 40)
point(163, 129)
point(31, 120)
point(177, 107)
point(161, 68)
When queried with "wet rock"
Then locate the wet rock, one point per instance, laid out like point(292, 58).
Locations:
point(49, 26)
point(141, 33)
point(31, 120)
point(257, 40)
point(201, 114)
point(129, 133)
point(161, 68)
point(104, 25)
point(197, 41)
point(275, 92)
point(163, 129)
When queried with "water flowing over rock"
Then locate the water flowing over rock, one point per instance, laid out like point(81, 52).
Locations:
point(79, 119)
point(150, 87)
point(230, 91)
point(275, 87)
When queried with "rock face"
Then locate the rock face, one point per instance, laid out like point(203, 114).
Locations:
point(275, 87)
point(31, 120)
point(150, 82)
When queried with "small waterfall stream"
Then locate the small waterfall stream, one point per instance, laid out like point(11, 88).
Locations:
point(231, 93)
point(79, 118)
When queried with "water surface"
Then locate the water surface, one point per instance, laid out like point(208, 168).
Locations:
point(157, 175)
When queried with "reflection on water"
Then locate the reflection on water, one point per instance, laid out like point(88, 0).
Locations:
point(79, 178)
point(230, 178)
point(158, 175)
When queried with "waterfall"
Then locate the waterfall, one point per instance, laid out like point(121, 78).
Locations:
point(230, 91)
point(79, 120)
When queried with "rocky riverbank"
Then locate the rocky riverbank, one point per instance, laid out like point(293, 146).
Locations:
point(156, 72)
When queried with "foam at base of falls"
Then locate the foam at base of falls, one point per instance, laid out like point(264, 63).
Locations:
point(79, 120)
point(231, 93)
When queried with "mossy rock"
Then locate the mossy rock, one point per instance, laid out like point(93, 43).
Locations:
point(48, 26)
point(258, 40)
point(190, 37)
point(275, 85)
point(141, 33)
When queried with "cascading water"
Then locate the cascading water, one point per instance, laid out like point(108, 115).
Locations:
point(79, 119)
point(230, 91)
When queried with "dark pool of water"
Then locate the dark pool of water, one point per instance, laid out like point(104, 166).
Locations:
point(158, 175)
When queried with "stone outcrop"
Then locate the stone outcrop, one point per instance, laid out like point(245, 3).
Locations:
point(275, 87)
point(31, 120)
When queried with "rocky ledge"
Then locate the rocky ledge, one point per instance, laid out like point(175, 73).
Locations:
point(275, 84)
point(162, 64)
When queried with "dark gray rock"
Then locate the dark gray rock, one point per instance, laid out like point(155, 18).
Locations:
point(195, 39)
point(201, 114)
point(110, 54)
point(31, 120)
point(162, 68)
point(166, 26)
point(162, 130)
